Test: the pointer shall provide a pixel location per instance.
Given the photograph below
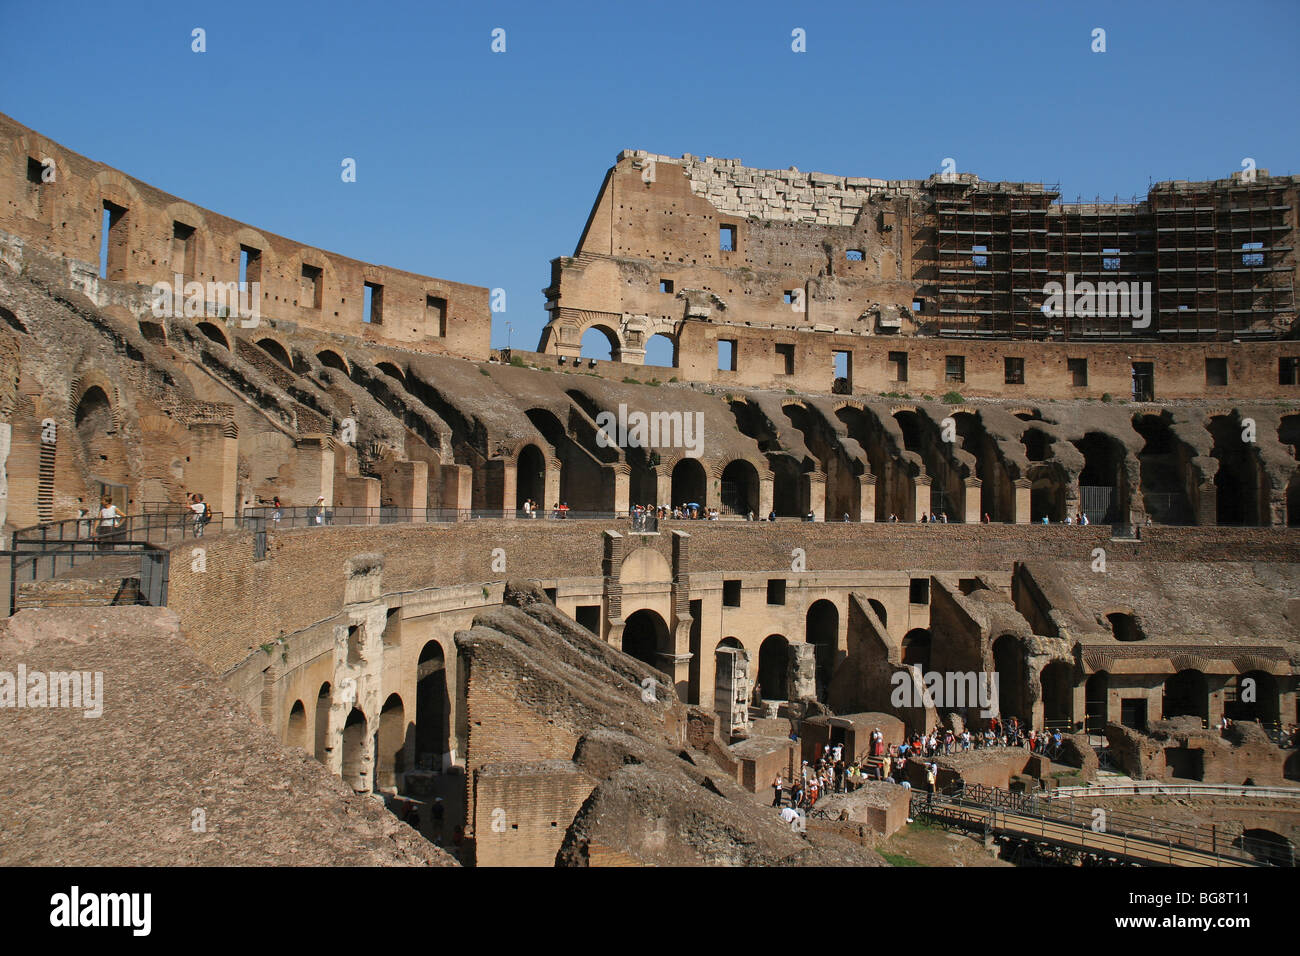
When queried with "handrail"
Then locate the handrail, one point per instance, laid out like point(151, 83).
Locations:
point(1173, 790)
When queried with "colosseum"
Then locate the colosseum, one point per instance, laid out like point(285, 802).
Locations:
point(447, 604)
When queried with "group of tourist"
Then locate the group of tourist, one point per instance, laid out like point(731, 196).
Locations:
point(831, 773)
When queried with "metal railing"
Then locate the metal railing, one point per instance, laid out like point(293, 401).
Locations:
point(1142, 837)
point(152, 527)
point(151, 569)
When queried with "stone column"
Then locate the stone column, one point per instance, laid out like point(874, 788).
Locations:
point(664, 486)
point(1023, 511)
point(457, 487)
point(315, 468)
point(409, 486)
point(867, 497)
point(213, 468)
point(803, 672)
point(973, 512)
point(815, 485)
point(920, 496)
point(766, 491)
point(621, 478)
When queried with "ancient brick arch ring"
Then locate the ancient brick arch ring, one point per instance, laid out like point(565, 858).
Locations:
point(93, 378)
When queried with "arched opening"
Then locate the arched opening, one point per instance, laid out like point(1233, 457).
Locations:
point(689, 483)
point(1009, 664)
point(432, 708)
point(388, 368)
point(879, 608)
point(355, 769)
point(600, 343)
point(1046, 494)
point(295, 732)
point(322, 735)
point(1240, 483)
point(786, 495)
point(774, 668)
point(1163, 464)
point(1096, 702)
point(530, 477)
point(1124, 627)
point(214, 333)
point(728, 659)
point(1253, 696)
point(1266, 846)
point(661, 351)
point(12, 321)
point(1293, 501)
point(1038, 444)
point(581, 479)
point(277, 351)
point(1102, 488)
point(1058, 695)
point(153, 332)
point(916, 648)
point(390, 744)
point(645, 636)
point(821, 630)
point(332, 359)
point(947, 489)
point(105, 452)
point(1187, 695)
point(740, 488)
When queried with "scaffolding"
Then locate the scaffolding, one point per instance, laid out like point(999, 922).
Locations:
point(1209, 260)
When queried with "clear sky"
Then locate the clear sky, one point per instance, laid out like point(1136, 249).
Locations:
point(481, 167)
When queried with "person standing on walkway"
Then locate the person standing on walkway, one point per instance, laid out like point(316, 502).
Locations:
point(778, 791)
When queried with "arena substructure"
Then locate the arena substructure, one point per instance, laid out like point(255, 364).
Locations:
point(431, 578)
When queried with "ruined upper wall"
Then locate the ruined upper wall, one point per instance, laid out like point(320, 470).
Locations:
point(59, 208)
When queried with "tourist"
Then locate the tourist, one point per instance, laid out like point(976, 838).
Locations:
point(110, 519)
point(277, 510)
point(316, 513)
point(778, 790)
point(987, 519)
point(201, 515)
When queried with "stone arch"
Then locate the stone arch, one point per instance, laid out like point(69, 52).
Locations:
point(880, 611)
point(12, 320)
point(1266, 846)
point(1241, 483)
point(916, 648)
point(332, 359)
point(612, 337)
point(822, 631)
point(356, 759)
point(530, 476)
point(390, 744)
point(1057, 681)
point(646, 636)
point(1256, 698)
point(1046, 493)
point(645, 565)
point(774, 668)
point(154, 332)
point(1124, 626)
point(390, 368)
point(321, 746)
point(1164, 470)
point(1186, 694)
point(1103, 482)
point(1009, 665)
point(740, 487)
point(276, 349)
point(432, 707)
point(214, 333)
point(295, 732)
point(1096, 702)
point(99, 431)
point(673, 341)
point(689, 482)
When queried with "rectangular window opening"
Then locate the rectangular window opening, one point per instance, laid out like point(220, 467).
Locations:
point(1216, 371)
point(843, 372)
point(899, 361)
point(1288, 370)
point(1252, 258)
point(666, 285)
point(435, 315)
point(588, 616)
point(853, 255)
point(979, 261)
point(250, 265)
point(183, 245)
point(112, 243)
point(731, 594)
point(35, 171)
point(726, 238)
point(727, 355)
point(785, 359)
point(311, 285)
point(372, 309)
point(1078, 369)
point(918, 306)
point(1013, 369)
point(955, 368)
point(1144, 382)
point(776, 591)
point(918, 591)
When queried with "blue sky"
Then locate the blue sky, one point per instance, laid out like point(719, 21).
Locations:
point(481, 167)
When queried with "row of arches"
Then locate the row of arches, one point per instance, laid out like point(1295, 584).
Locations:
point(375, 752)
